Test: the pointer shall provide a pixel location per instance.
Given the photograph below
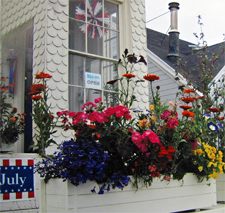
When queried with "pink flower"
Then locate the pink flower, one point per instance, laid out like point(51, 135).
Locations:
point(136, 137)
point(89, 105)
point(109, 112)
point(65, 112)
point(80, 117)
point(97, 100)
point(120, 111)
point(152, 168)
point(151, 136)
point(72, 114)
point(167, 178)
point(171, 123)
point(165, 115)
point(96, 116)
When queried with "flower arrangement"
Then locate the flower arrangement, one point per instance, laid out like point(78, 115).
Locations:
point(109, 145)
point(11, 122)
point(42, 116)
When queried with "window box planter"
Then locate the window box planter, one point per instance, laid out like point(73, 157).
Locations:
point(220, 188)
point(58, 196)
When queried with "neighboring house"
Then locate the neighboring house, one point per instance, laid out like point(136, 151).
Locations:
point(49, 36)
point(164, 52)
point(159, 64)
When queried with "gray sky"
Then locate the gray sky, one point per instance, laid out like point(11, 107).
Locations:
point(211, 11)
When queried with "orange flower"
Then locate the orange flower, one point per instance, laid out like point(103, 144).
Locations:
point(211, 109)
point(188, 114)
point(12, 119)
point(24, 114)
point(2, 79)
point(150, 77)
point(188, 99)
point(11, 85)
point(42, 75)
point(185, 107)
point(36, 97)
point(129, 75)
point(4, 88)
point(188, 91)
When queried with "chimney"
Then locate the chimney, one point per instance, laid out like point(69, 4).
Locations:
point(173, 54)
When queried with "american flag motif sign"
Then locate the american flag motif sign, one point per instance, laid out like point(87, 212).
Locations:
point(16, 179)
point(95, 18)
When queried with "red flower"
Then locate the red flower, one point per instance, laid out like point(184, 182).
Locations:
point(188, 91)
point(112, 81)
point(2, 79)
point(129, 75)
point(36, 97)
point(188, 99)
point(129, 129)
point(214, 109)
point(14, 109)
point(185, 107)
point(188, 114)
point(150, 77)
point(221, 118)
point(11, 85)
point(36, 89)
point(42, 75)
point(24, 114)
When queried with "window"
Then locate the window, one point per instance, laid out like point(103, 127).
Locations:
point(16, 67)
point(93, 49)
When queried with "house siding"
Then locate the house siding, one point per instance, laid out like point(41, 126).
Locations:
point(168, 86)
point(139, 47)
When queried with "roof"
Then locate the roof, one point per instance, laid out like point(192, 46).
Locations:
point(158, 43)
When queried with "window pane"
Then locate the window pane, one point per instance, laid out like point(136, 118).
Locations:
point(76, 98)
point(92, 94)
point(110, 99)
point(112, 10)
point(76, 35)
point(109, 71)
point(111, 44)
point(78, 65)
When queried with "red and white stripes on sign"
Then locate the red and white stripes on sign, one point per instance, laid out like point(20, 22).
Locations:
point(11, 196)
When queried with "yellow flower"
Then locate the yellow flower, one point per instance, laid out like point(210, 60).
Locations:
point(215, 164)
point(153, 118)
point(200, 168)
point(199, 151)
point(210, 164)
point(214, 150)
point(172, 104)
point(151, 107)
point(144, 123)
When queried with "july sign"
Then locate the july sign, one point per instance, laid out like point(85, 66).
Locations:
point(16, 179)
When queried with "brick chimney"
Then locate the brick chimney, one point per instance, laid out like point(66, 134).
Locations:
point(173, 54)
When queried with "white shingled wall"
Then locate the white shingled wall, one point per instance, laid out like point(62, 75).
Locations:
point(139, 47)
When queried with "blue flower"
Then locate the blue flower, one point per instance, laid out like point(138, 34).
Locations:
point(207, 116)
point(220, 125)
point(213, 127)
